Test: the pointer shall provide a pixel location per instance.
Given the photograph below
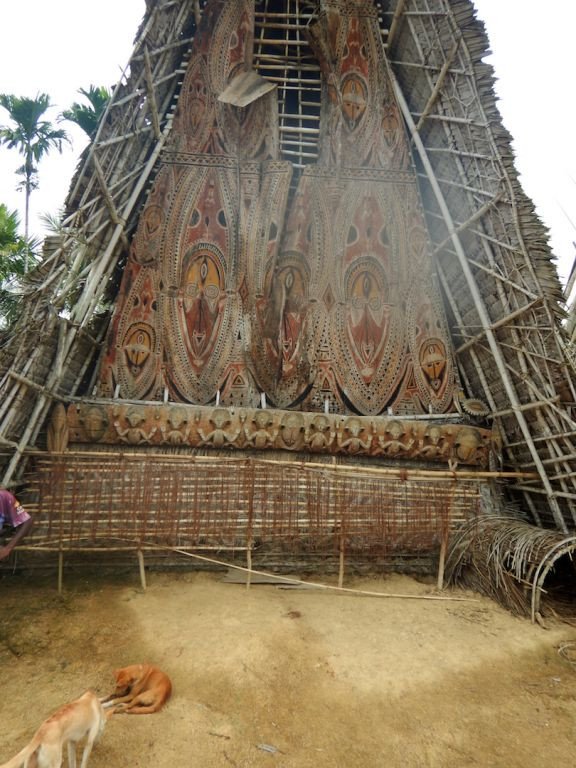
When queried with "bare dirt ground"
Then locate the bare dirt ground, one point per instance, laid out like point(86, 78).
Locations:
point(290, 678)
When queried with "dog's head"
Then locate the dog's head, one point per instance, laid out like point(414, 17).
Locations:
point(126, 677)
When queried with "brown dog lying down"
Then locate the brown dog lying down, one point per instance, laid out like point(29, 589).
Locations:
point(82, 718)
point(140, 690)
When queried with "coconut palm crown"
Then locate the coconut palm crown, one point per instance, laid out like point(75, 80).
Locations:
point(32, 136)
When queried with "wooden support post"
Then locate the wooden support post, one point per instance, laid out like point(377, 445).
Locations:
point(250, 522)
point(341, 567)
point(60, 570)
point(445, 536)
point(248, 562)
point(442, 560)
point(141, 567)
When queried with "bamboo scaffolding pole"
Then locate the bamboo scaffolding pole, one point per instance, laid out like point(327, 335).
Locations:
point(431, 69)
point(454, 119)
point(488, 252)
point(433, 98)
point(459, 186)
point(36, 387)
point(291, 580)
point(480, 307)
point(473, 355)
point(544, 438)
point(266, 14)
point(11, 396)
point(47, 547)
point(104, 143)
point(90, 296)
point(543, 492)
point(142, 570)
point(151, 94)
point(459, 153)
point(396, 22)
point(399, 473)
point(107, 110)
point(526, 407)
point(109, 202)
point(156, 52)
point(515, 213)
point(425, 14)
point(7, 442)
point(119, 86)
point(197, 12)
point(562, 415)
point(8, 411)
point(530, 353)
point(479, 214)
point(39, 408)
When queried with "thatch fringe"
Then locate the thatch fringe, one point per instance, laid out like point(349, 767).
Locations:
point(507, 560)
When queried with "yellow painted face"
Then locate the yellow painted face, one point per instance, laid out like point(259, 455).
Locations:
point(354, 100)
point(138, 347)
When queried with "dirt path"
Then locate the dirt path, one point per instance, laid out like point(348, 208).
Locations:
point(328, 680)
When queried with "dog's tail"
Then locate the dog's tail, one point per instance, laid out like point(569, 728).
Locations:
point(23, 757)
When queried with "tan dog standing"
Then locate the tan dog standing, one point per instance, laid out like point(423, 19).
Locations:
point(82, 718)
point(140, 690)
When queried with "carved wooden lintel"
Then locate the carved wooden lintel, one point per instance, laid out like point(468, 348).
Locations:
point(178, 425)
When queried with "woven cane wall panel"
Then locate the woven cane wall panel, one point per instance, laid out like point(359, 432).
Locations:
point(219, 502)
point(325, 299)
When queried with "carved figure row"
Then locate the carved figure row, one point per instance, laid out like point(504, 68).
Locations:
point(272, 429)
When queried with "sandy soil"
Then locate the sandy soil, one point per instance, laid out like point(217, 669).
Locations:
point(291, 678)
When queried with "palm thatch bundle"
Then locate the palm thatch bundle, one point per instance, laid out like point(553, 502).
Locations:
point(509, 561)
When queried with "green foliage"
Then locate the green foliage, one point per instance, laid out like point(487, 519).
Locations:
point(17, 253)
point(30, 135)
point(87, 116)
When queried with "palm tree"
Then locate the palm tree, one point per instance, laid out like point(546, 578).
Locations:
point(88, 116)
point(32, 136)
point(15, 254)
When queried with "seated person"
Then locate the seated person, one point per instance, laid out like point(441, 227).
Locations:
point(12, 516)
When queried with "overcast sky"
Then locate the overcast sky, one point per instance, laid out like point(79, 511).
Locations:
point(59, 46)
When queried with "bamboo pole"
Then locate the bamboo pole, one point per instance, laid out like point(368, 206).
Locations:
point(341, 563)
point(318, 585)
point(39, 408)
point(400, 473)
point(60, 570)
point(140, 555)
point(476, 216)
point(480, 308)
point(151, 94)
point(396, 21)
point(433, 98)
point(503, 321)
point(527, 407)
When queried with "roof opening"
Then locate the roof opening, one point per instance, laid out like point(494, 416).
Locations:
point(283, 56)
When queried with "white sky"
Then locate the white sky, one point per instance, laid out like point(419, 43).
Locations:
point(59, 46)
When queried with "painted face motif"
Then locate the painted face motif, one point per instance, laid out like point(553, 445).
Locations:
point(433, 362)
point(202, 288)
